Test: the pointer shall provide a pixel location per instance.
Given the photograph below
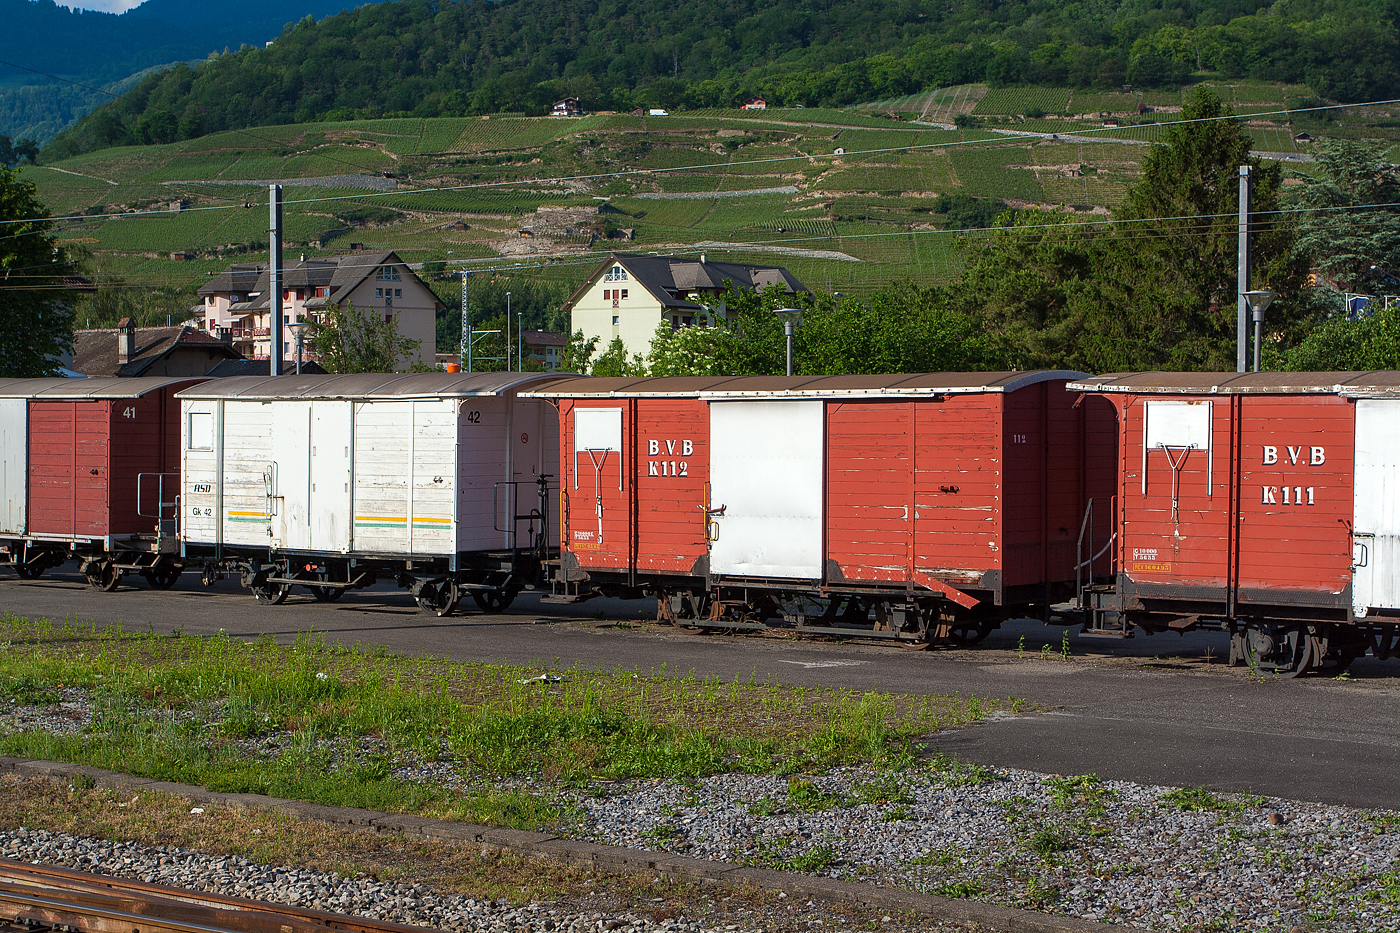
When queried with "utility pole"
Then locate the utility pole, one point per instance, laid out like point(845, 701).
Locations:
point(274, 265)
point(466, 354)
point(1242, 277)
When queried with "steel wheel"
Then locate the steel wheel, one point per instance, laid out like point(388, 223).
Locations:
point(967, 634)
point(439, 598)
point(915, 636)
point(492, 601)
point(274, 594)
point(163, 577)
point(1285, 651)
point(29, 571)
point(106, 577)
point(327, 594)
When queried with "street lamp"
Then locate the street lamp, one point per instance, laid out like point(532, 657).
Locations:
point(790, 318)
point(1258, 300)
point(296, 328)
point(520, 341)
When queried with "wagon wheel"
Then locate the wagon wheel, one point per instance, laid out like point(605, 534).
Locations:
point(491, 601)
point(327, 594)
point(915, 636)
point(163, 576)
point(106, 577)
point(1339, 651)
point(439, 598)
point(693, 606)
point(965, 634)
point(1284, 651)
point(274, 594)
point(29, 571)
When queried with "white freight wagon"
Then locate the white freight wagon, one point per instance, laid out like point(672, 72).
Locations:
point(440, 480)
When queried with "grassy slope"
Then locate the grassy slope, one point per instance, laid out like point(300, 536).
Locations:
point(872, 205)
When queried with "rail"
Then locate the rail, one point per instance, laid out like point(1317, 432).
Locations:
point(41, 898)
point(538, 514)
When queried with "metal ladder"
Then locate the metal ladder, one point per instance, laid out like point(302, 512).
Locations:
point(1097, 597)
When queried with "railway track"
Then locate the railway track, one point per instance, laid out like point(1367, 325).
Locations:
point(42, 899)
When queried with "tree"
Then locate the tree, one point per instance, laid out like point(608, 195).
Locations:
point(1158, 289)
point(36, 304)
point(614, 362)
point(349, 341)
point(1358, 248)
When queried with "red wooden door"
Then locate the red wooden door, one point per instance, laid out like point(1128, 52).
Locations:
point(69, 468)
point(870, 491)
point(597, 498)
point(673, 467)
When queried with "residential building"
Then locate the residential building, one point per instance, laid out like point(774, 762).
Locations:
point(754, 103)
point(236, 301)
point(568, 107)
point(129, 350)
point(628, 295)
point(545, 348)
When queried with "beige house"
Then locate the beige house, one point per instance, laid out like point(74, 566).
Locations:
point(628, 295)
point(237, 304)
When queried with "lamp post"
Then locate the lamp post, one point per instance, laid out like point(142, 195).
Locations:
point(1259, 300)
point(790, 318)
point(297, 327)
point(520, 341)
point(507, 331)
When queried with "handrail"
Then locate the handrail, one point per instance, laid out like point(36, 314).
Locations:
point(161, 503)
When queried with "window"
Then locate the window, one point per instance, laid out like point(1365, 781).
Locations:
point(388, 317)
point(615, 274)
point(388, 274)
point(201, 430)
point(379, 293)
point(286, 319)
point(286, 347)
point(624, 293)
point(398, 293)
point(615, 320)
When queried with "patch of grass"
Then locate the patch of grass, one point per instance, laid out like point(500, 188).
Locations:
point(958, 890)
point(1198, 798)
point(1086, 791)
point(1047, 840)
point(326, 723)
point(807, 797)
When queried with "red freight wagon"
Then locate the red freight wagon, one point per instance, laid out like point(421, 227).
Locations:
point(1265, 504)
point(910, 507)
point(95, 463)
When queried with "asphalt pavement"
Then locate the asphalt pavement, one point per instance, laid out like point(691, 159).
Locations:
point(1162, 709)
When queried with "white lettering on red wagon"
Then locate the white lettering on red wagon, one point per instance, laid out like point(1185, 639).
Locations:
point(683, 446)
point(1291, 495)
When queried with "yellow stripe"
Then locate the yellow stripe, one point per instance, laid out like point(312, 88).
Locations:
point(255, 514)
point(388, 518)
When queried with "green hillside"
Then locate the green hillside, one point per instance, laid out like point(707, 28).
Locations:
point(459, 58)
point(765, 186)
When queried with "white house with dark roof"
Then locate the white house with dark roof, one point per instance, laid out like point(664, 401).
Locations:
point(236, 301)
point(628, 295)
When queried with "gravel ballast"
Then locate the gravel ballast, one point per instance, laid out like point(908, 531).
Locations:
point(1150, 857)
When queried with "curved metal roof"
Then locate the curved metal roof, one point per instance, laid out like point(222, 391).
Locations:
point(857, 386)
point(1348, 384)
point(93, 388)
point(368, 386)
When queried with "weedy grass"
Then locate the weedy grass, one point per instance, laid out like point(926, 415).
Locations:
point(1198, 798)
point(326, 723)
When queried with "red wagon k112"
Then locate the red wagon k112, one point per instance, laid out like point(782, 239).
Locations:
point(910, 507)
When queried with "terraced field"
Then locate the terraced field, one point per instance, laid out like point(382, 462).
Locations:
point(769, 184)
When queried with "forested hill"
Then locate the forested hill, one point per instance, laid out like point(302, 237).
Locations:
point(459, 57)
point(98, 47)
point(106, 51)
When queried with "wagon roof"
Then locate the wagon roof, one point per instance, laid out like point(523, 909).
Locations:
point(857, 386)
point(368, 386)
point(1375, 382)
point(94, 388)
